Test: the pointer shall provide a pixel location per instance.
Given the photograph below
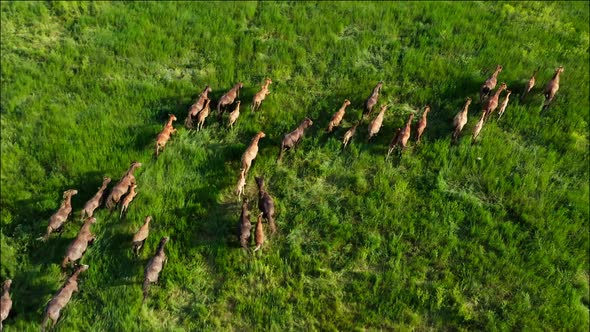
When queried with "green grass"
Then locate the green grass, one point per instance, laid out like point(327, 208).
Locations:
point(436, 240)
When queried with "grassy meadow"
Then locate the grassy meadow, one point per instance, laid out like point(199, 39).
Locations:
point(491, 236)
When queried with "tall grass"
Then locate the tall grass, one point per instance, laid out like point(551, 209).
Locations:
point(490, 236)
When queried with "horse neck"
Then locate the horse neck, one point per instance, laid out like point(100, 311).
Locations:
point(465, 108)
point(102, 188)
point(244, 215)
point(160, 251)
point(496, 72)
point(74, 278)
point(375, 91)
point(67, 201)
point(498, 92)
point(86, 227)
point(408, 124)
point(131, 170)
point(261, 190)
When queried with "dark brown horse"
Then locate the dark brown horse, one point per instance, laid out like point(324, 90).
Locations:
point(154, 267)
point(291, 139)
point(244, 226)
point(266, 204)
point(394, 142)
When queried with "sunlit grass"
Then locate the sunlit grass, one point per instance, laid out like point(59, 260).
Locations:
point(468, 237)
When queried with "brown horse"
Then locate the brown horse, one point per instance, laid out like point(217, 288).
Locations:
point(460, 120)
point(478, 127)
point(196, 107)
point(552, 87)
point(95, 201)
point(504, 104)
point(61, 299)
point(61, 216)
point(529, 84)
point(266, 204)
point(244, 226)
point(203, 114)
point(492, 103)
point(259, 233)
point(141, 235)
point(260, 95)
point(422, 124)
point(233, 116)
point(241, 183)
point(154, 267)
point(5, 301)
point(291, 139)
point(251, 152)
point(375, 125)
point(394, 142)
point(490, 84)
point(80, 244)
point(228, 98)
point(337, 117)
point(127, 200)
point(121, 188)
point(373, 98)
point(164, 135)
point(349, 134)
point(405, 134)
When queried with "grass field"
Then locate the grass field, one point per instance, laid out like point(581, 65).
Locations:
point(492, 236)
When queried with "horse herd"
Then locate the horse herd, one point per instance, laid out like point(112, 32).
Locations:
point(124, 190)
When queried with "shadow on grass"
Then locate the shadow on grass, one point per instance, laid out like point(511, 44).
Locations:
point(30, 292)
point(33, 218)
